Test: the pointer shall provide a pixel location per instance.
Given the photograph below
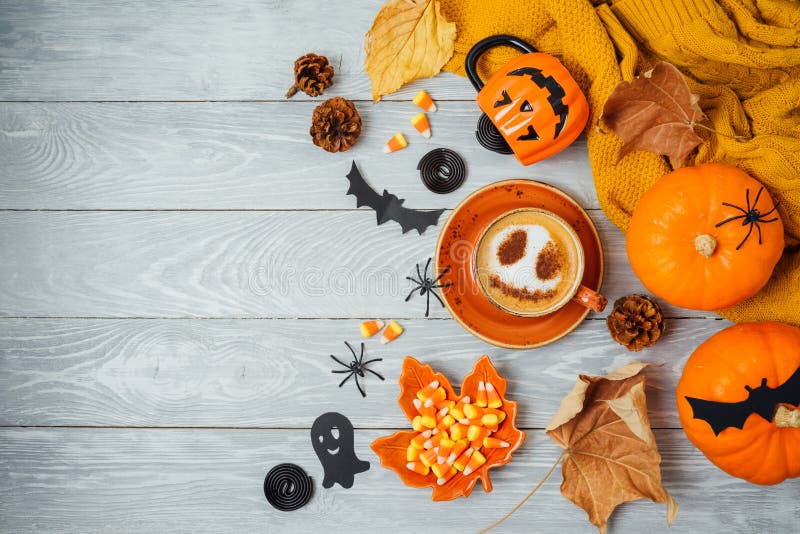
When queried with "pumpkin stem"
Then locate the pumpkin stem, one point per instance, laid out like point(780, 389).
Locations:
point(705, 244)
point(786, 418)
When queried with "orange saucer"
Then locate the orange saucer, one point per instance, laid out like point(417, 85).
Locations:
point(457, 246)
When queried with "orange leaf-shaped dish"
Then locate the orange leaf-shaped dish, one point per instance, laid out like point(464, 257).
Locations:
point(392, 449)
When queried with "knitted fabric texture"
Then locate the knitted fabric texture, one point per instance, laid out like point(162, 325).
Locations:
point(742, 57)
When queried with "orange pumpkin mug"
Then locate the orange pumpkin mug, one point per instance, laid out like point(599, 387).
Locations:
point(531, 106)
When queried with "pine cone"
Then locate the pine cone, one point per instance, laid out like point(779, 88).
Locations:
point(636, 322)
point(312, 75)
point(335, 125)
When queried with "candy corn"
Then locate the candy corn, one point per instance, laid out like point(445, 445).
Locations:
point(424, 100)
point(426, 392)
point(445, 448)
point(475, 461)
point(470, 422)
point(416, 423)
point(473, 411)
point(397, 142)
point(428, 414)
point(458, 431)
point(476, 433)
point(391, 333)
point(446, 422)
point(494, 443)
point(434, 440)
point(493, 398)
point(459, 447)
point(421, 438)
point(443, 480)
point(458, 410)
point(445, 404)
point(462, 461)
point(490, 419)
point(370, 328)
point(418, 467)
point(412, 453)
point(437, 396)
point(421, 124)
point(428, 457)
point(480, 398)
point(440, 470)
point(501, 415)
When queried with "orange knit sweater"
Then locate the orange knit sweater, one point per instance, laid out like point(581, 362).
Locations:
point(741, 56)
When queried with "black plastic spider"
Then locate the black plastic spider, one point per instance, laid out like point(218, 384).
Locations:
point(750, 216)
point(428, 286)
point(356, 368)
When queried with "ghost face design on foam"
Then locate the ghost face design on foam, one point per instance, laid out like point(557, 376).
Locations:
point(332, 439)
point(514, 260)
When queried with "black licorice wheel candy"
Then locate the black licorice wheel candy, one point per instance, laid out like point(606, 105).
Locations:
point(489, 137)
point(442, 170)
point(287, 487)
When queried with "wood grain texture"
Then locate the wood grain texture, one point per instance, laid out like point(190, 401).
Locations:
point(227, 264)
point(122, 480)
point(276, 373)
point(240, 156)
point(116, 50)
point(103, 315)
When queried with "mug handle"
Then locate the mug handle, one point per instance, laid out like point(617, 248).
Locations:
point(471, 63)
point(590, 299)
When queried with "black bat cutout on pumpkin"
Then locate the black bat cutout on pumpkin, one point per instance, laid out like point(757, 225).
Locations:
point(762, 400)
point(388, 207)
point(555, 98)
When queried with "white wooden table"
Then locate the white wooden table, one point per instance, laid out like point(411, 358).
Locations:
point(178, 261)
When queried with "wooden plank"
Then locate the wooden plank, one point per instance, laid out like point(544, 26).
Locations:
point(123, 480)
point(239, 49)
point(226, 264)
point(276, 373)
point(239, 156)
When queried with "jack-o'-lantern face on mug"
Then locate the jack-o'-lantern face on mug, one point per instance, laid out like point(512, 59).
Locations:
point(533, 101)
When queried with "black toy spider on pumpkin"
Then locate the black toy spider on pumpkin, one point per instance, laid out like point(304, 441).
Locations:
point(355, 368)
point(428, 286)
point(750, 216)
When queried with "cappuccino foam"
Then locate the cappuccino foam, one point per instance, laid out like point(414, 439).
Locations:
point(528, 262)
point(521, 272)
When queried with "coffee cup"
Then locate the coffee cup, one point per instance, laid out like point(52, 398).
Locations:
point(529, 262)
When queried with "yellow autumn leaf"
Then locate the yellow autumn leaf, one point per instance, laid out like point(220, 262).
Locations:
point(409, 39)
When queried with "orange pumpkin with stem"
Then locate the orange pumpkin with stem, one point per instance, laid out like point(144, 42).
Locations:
point(745, 363)
point(705, 237)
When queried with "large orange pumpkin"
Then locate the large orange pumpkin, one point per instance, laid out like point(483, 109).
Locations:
point(705, 237)
point(744, 364)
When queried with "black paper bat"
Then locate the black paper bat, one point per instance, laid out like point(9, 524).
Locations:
point(388, 207)
point(762, 400)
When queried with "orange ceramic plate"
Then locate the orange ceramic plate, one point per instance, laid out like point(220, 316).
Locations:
point(392, 449)
point(456, 248)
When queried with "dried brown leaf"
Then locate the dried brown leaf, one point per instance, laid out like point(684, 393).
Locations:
point(656, 112)
point(409, 39)
point(610, 451)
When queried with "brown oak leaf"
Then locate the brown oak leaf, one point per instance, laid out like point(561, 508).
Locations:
point(610, 453)
point(656, 112)
point(409, 39)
